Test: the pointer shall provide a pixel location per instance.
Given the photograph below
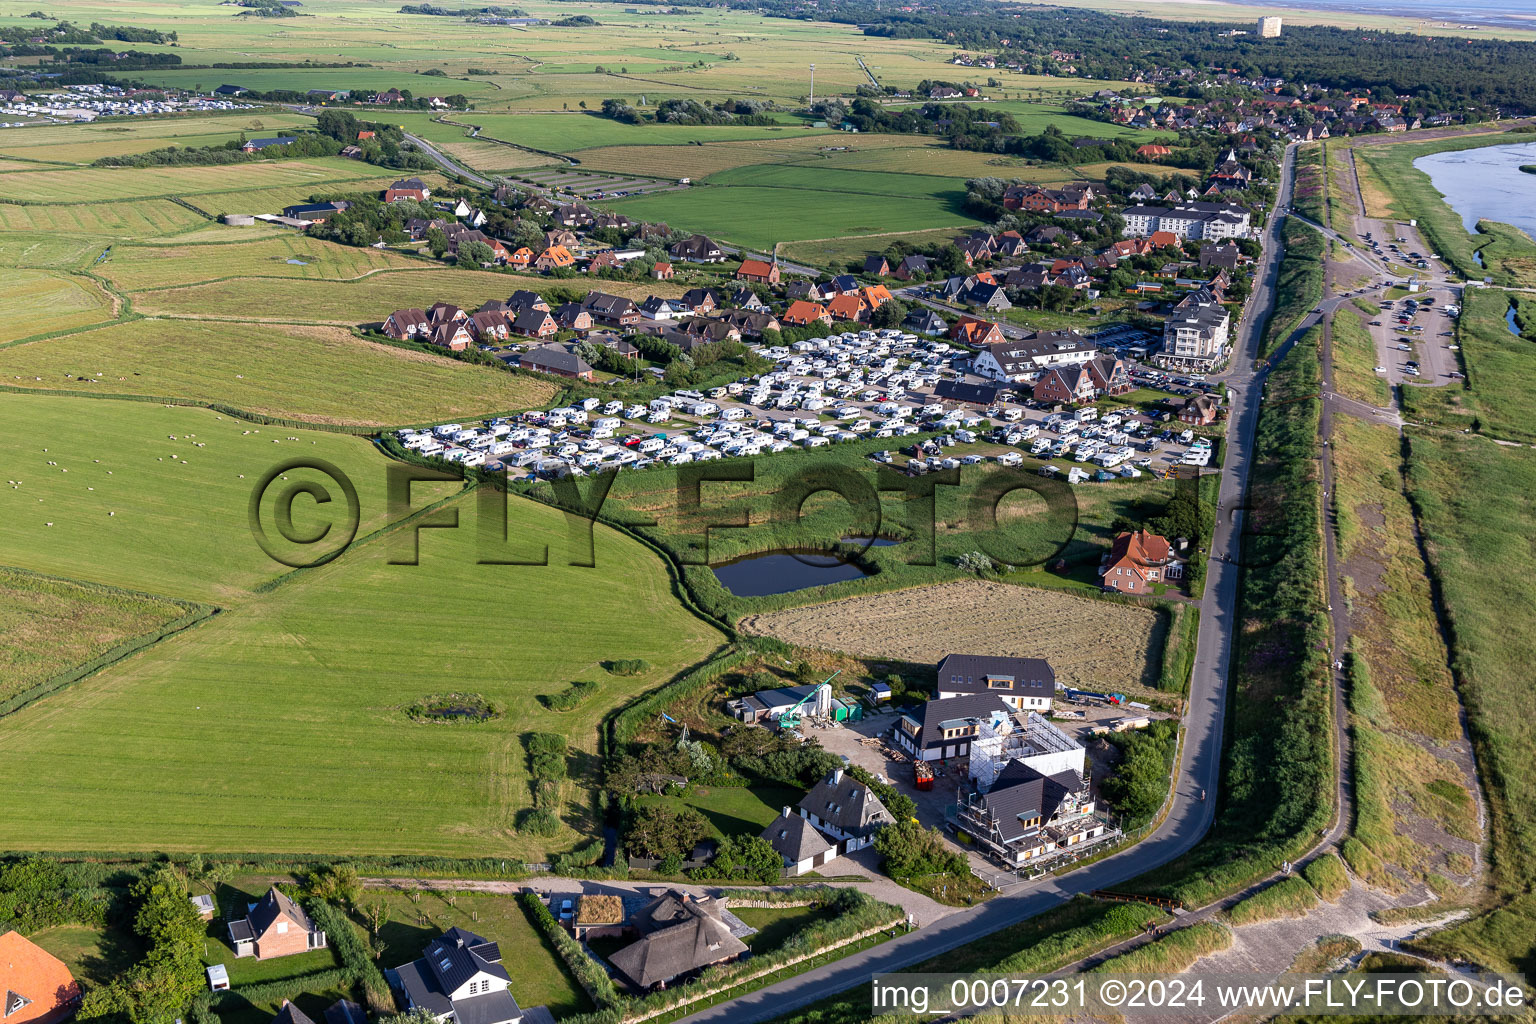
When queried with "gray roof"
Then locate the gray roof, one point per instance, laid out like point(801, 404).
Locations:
point(449, 961)
point(794, 838)
point(345, 1011)
point(1021, 793)
point(290, 1014)
point(955, 709)
point(678, 935)
point(458, 955)
point(970, 673)
point(275, 902)
point(846, 803)
point(554, 357)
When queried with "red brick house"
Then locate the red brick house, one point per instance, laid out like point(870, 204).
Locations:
point(1199, 411)
point(275, 926)
point(555, 257)
point(488, 327)
point(758, 271)
point(522, 259)
point(848, 307)
point(1109, 375)
point(36, 986)
point(1137, 561)
point(662, 271)
point(1065, 385)
point(406, 323)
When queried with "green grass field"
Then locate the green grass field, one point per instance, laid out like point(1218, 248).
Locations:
point(102, 184)
point(369, 300)
point(48, 626)
point(180, 530)
point(310, 373)
point(41, 302)
point(1354, 360)
point(86, 142)
point(574, 131)
point(136, 267)
point(142, 218)
point(286, 709)
point(1500, 373)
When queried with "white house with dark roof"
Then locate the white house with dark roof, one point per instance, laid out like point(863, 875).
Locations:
point(796, 840)
point(459, 979)
point(842, 808)
point(946, 728)
point(1024, 684)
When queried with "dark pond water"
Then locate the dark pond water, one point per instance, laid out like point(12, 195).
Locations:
point(779, 572)
point(457, 711)
point(1509, 319)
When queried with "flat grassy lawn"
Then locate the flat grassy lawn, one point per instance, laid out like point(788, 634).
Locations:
point(368, 300)
point(1501, 371)
point(776, 924)
point(904, 185)
point(48, 626)
point(839, 250)
point(96, 184)
point(734, 811)
point(304, 79)
point(1354, 361)
point(145, 218)
point(317, 374)
point(286, 709)
point(181, 529)
point(135, 267)
point(1474, 499)
point(762, 216)
point(539, 977)
point(40, 302)
point(43, 249)
point(95, 956)
point(698, 162)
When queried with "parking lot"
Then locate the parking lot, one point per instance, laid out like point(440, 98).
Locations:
point(1413, 337)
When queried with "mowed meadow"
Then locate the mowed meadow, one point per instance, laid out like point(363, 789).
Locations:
point(285, 707)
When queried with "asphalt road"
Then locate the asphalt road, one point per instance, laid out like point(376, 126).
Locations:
point(433, 154)
point(1194, 790)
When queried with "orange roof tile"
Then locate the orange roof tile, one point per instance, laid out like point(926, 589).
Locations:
point(31, 973)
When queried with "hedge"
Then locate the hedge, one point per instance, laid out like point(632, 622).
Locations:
point(285, 988)
point(627, 723)
point(344, 940)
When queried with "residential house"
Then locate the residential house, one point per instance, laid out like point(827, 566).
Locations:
point(555, 257)
point(291, 1014)
point(345, 1011)
point(523, 298)
point(223, 90)
point(444, 312)
point(876, 266)
point(961, 393)
point(987, 295)
point(256, 145)
point(679, 935)
point(975, 332)
point(561, 236)
point(599, 915)
point(407, 188)
point(1024, 684)
point(750, 322)
point(1019, 360)
point(758, 271)
point(843, 809)
point(1109, 375)
point(945, 728)
point(535, 323)
point(556, 360)
point(796, 840)
point(459, 979)
point(406, 323)
point(657, 308)
point(912, 267)
point(573, 316)
point(699, 300)
point(1223, 256)
point(521, 258)
point(1065, 385)
point(37, 986)
point(842, 284)
point(1026, 817)
point(1137, 562)
point(662, 271)
point(923, 320)
point(697, 249)
point(574, 215)
point(848, 307)
point(489, 327)
point(1199, 411)
point(458, 239)
point(1196, 332)
point(801, 312)
point(745, 298)
point(603, 261)
point(611, 310)
point(453, 335)
point(274, 926)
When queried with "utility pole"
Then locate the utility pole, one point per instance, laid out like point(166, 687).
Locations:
point(813, 86)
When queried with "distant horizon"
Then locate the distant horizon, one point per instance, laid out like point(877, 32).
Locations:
point(1503, 13)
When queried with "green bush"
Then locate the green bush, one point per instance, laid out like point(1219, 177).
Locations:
point(539, 821)
point(627, 666)
point(571, 697)
point(587, 972)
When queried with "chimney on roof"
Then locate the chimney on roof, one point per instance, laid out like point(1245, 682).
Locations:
point(786, 810)
point(837, 778)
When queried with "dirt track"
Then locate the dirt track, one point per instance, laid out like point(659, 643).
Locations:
point(1089, 643)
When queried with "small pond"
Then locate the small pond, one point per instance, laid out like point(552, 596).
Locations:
point(1509, 320)
point(1486, 184)
point(779, 572)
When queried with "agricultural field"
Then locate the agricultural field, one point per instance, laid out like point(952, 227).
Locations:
point(41, 302)
point(840, 250)
point(575, 131)
point(102, 184)
point(129, 484)
point(311, 373)
point(321, 669)
point(368, 300)
point(699, 162)
point(48, 626)
point(1090, 643)
point(83, 143)
point(139, 219)
point(139, 267)
point(786, 204)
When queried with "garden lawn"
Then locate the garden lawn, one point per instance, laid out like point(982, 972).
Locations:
point(539, 977)
point(287, 709)
point(315, 374)
point(776, 924)
point(96, 956)
point(734, 811)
